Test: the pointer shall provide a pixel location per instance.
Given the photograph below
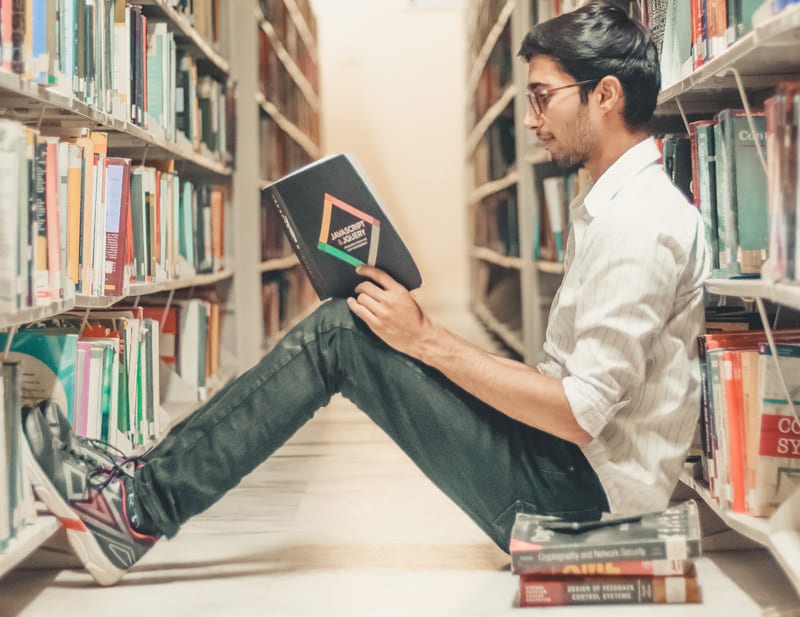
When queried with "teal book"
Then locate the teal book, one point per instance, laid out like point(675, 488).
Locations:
point(706, 189)
point(741, 193)
point(335, 222)
point(47, 367)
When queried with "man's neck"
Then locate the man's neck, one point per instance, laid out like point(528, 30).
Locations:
point(612, 149)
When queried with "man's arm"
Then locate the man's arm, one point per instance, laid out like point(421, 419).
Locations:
point(511, 387)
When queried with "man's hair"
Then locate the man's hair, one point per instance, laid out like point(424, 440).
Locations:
point(600, 39)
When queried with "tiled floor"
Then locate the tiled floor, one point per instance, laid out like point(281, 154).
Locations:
point(340, 523)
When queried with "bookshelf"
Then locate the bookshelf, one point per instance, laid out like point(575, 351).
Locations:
point(513, 277)
point(278, 113)
point(62, 107)
point(746, 73)
point(750, 67)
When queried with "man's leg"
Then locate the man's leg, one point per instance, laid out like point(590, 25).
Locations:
point(490, 465)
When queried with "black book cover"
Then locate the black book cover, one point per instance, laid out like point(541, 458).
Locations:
point(543, 541)
point(335, 223)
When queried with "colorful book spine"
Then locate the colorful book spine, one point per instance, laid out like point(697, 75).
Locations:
point(558, 591)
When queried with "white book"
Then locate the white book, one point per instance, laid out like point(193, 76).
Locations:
point(10, 137)
point(98, 270)
point(95, 393)
point(121, 74)
point(5, 467)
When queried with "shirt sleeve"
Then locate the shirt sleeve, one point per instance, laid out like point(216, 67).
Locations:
point(627, 290)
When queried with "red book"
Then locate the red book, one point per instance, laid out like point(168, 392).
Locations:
point(734, 416)
point(563, 590)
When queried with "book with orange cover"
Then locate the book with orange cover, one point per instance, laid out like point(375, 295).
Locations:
point(734, 427)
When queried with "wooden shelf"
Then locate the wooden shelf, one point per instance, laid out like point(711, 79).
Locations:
point(490, 116)
point(187, 36)
point(281, 263)
point(291, 66)
point(288, 127)
point(37, 313)
point(550, 267)
point(781, 293)
point(302, 28)
point(493, 186)
point(28, 540)
point(32, 103)
point(768, 54)
point(498, 259)
point(779, 533)
point(488, 45)
point(512, 338)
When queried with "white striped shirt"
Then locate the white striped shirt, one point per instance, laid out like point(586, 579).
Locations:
point(623, 328)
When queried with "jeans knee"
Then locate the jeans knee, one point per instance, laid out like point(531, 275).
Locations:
point(332, 314)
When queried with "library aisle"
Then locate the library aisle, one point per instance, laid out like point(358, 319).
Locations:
point(338, 522)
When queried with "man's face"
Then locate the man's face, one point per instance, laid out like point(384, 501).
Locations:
point(564, 125)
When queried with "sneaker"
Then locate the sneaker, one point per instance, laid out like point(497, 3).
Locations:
point(88, 488)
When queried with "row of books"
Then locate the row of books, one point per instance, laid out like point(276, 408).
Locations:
point(104, 372)
point(496, 75)
point(749, 204)
point(205, 16)
point(496, 223)
point(77, 219)
point(17, 508)
point(122, 62)
point(689, 33)
point(647, 559)
point(274, 241)
point(285, 295)
point(279, 87)
point(285, 28)
point(749, 429)
point(487, 13)
point(555, 195)
point(718, 166)
point(280, 153)
point(495, 154)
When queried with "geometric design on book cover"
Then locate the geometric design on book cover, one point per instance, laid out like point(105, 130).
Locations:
point(347, 233)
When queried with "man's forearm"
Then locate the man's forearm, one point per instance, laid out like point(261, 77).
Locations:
point(511, 387)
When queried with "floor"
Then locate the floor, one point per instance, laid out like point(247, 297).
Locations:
point(339, 523)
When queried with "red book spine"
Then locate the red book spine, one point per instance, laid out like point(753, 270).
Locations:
point(557, 591)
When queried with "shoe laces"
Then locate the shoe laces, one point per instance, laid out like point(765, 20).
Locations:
point(116, 463)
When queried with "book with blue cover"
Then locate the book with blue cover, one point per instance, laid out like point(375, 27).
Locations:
point(335, 222)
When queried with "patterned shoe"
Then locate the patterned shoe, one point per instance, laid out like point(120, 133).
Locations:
point(89, 489)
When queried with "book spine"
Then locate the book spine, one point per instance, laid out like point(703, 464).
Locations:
point(668, 548)
point(645, 567)
point(300, 249)
point(564, 591)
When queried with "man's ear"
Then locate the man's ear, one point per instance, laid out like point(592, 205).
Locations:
point(609, 93)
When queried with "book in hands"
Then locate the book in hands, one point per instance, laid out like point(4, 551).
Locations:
point(663, 542)
point(335, 223)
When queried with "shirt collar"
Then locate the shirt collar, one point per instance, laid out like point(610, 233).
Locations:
point(632, 162)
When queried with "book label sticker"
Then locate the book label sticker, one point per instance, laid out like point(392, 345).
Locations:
point(347, 233)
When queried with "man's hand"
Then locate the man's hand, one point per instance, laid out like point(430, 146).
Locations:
point(390, 311)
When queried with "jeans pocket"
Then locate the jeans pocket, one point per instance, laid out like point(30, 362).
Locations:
point(505, 520)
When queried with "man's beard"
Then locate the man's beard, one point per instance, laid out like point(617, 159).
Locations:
point(581, 141)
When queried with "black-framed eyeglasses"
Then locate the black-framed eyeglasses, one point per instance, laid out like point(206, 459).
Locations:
point(539, 100)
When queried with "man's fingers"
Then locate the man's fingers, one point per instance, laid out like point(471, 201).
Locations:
point(376, 274)
point(369, 288)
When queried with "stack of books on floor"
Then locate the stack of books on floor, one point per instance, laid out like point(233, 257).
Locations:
point(647, 559)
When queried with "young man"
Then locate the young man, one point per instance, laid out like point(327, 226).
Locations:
point(602, 425)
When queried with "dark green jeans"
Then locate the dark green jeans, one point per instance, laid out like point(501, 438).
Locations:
point(489, 465)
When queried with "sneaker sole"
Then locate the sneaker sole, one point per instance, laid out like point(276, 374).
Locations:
point(80, 538)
